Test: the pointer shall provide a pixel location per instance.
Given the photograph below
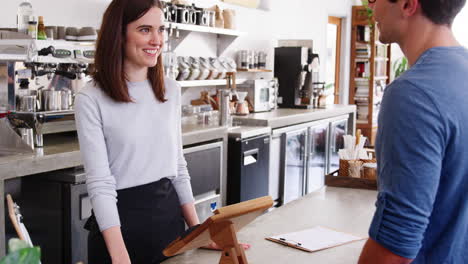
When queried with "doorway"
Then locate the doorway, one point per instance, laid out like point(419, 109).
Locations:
point(334, 55)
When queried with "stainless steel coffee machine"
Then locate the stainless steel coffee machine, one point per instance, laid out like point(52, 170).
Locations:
point(38, 82)
point(297, 70)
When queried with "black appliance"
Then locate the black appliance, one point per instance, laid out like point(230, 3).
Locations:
point(248, 168)
point(55, 207)
point(296, 75)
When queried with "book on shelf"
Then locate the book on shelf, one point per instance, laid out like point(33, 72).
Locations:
point(362, 68)
point(363, 33)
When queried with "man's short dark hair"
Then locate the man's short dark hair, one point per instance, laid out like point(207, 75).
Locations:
point(440, 12)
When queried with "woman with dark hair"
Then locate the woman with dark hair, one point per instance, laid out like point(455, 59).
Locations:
point(128, 122)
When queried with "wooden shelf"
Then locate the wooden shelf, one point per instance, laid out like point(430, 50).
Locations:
point(362, 42)
point(253, 70)
point(362, 59)
point(380, 59)
point(378, 78)
point(361, 79)
point(204, 29)
point(380, 63)
point(200, 83)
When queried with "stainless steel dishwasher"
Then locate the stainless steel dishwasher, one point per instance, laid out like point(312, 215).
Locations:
point(205, 166)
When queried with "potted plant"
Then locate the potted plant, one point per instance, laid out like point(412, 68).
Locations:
point(400, 66)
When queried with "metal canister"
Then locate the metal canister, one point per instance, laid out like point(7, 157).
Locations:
point(66, 99)
point(224, 107)
point(51, 100)
point(28, 103)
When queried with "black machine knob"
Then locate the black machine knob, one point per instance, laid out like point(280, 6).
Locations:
point(46, 51)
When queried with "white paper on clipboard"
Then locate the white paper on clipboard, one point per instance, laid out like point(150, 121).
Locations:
point(314, 239)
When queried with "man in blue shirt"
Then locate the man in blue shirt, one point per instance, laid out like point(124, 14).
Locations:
point(422, 141)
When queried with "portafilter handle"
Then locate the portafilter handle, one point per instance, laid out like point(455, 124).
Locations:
point(69, 75)
point(47, 51)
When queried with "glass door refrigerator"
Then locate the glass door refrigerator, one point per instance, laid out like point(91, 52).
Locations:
point(338, 129)
point(317, 156)
point(294, 165)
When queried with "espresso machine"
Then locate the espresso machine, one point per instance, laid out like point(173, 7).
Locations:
point(297, 70)
point(38, 82)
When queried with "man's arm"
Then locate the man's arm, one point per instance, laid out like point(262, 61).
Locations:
point(410, 151)
point(373, 252)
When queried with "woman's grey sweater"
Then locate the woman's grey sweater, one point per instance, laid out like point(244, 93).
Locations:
point(129, 144)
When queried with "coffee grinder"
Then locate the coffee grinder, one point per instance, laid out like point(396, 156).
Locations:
point(297, 70)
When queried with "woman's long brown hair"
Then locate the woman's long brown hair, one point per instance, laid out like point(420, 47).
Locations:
point(109, 72)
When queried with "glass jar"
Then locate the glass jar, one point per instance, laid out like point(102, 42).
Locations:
point(262, 60)
point(242, 60)
point(214, 118)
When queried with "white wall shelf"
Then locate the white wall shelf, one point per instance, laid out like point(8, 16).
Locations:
point(204, 29)
point(199, 83)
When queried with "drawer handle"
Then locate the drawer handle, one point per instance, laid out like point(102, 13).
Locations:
point(250, 156)
point(251, 152)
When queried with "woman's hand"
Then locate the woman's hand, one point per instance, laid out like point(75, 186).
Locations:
point(214, 246)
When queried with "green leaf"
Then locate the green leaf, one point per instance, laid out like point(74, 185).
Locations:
point(16, 244)
point(400, 66)
point(23, 256)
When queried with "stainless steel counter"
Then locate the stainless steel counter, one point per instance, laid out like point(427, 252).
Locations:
point(285, 117)
point(242, 132)
point(61, 151)
point(346, 210)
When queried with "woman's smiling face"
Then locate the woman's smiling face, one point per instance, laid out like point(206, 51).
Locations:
point(145, 40)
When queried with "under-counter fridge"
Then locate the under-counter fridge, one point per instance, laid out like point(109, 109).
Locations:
point(301, 156)
point(338, 129)
point(317, 156)
point(294, 164)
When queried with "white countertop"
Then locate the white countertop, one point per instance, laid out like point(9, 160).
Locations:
point(342, 209)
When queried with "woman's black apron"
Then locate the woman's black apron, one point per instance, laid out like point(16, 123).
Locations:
point(150, 218)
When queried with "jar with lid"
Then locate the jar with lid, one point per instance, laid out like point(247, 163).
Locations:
point(25, 11)
point(251, 59)
point(262, 60)
point(32, 27)
point(189, 115)
point(255, 54)
point(214, 118)
point(242, 59)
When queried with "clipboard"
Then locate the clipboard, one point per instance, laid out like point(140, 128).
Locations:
point(315, 239)
point(221, 228)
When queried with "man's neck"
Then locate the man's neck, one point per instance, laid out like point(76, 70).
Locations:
point(423, 35)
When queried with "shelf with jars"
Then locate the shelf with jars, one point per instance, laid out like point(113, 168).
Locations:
point(204, 83)
point(253, 70)
point(204, 29)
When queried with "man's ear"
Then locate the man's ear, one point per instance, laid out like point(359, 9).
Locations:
point(409, 7)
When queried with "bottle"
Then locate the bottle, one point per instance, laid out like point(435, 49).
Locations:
point(25, 10)
point(32, 27)
point(41, 34)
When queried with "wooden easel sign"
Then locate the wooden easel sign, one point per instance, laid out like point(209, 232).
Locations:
point(221, 228)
